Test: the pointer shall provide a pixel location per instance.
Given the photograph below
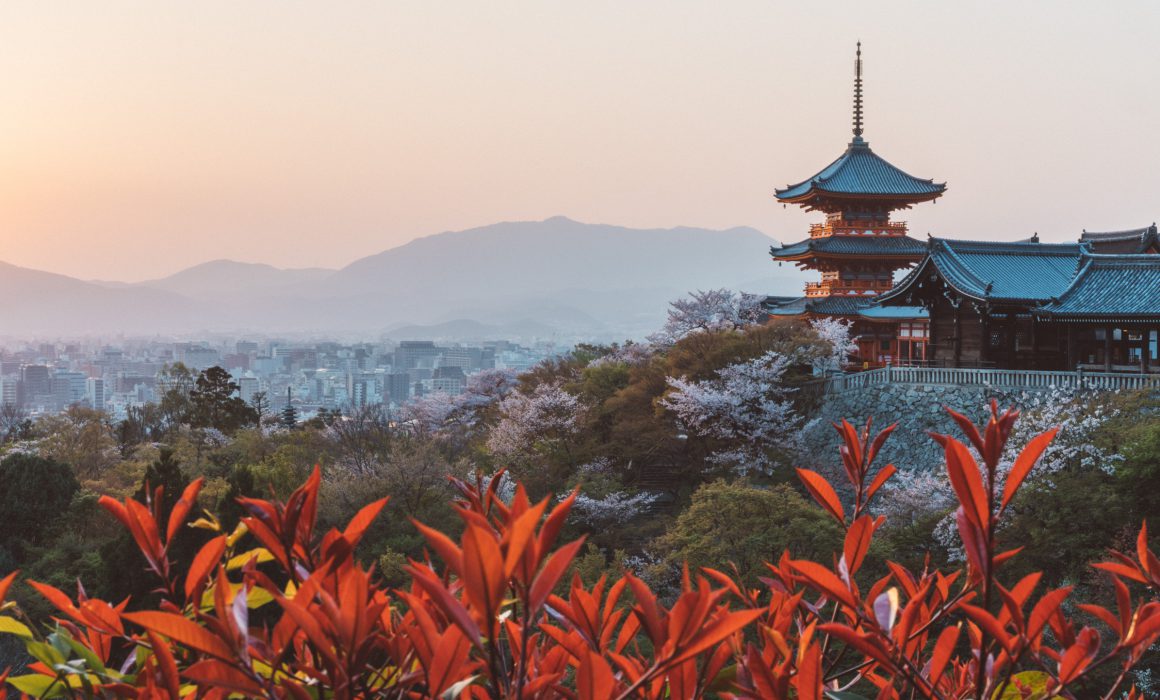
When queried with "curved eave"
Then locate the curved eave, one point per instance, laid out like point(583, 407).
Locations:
point(818, 193)
point(814, 255)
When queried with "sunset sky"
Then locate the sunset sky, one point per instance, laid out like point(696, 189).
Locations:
point(138, 138)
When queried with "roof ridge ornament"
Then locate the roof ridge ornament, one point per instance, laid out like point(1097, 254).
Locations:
point(858, 94)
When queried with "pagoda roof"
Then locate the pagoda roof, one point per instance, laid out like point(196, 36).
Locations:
point(1138, 240)
point(1025, 272)
point(860, 173)
point(853, 246)
point(823, 306)
point(1110, 286)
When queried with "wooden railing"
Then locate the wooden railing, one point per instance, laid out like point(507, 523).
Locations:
point(858, 228)
point(1004, 378)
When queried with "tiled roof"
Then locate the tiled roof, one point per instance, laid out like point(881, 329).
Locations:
point(1023, 272)
point(859, 171)
point(828, 306)
point(852, 245)
point(1111, 286)
point(893, 313)
point(1138, 240)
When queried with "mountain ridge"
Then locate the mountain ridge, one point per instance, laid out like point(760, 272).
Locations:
point(574, 278)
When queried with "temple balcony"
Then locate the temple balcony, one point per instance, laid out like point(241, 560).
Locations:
point(844, 227)
point(848, 288)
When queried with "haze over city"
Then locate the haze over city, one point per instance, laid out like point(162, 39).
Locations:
point(137, 139)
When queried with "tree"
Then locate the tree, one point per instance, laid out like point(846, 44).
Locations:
point(261, 405)
point(15, 423)
point(214, 403)
point(80, 437)
point(34, 491)
point(836, 333)
point(745, 410)
point(362, 440)
point(714, 310)
point(174, 383)
point(741, 524)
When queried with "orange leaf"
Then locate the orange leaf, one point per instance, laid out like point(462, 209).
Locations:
point(826, 581)
point(1024, 462)
point(166, 663)
point(968, 483)
point(362, 520)
point(483, 579)
point(594, 679)
point(808, 680)
point(880, 478)
point(203, 564)
point(6, 583)
point(858, 542)
point(547, 579)
point(447, 550)
point(823, 493)
point(181, 508)
point(183, 631)
point(215, 674)
point(943, 649)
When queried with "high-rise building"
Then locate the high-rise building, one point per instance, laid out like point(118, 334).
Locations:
point(397, 388)
point(95, 392)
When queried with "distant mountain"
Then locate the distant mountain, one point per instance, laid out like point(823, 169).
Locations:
point(558, 278)
point(226, 280)
point(44, 303)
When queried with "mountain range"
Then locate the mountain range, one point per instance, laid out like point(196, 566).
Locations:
point(554, 278)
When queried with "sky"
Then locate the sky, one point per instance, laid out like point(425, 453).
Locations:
point(139, 138)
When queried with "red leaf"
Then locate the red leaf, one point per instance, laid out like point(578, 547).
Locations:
point(989, 624)
point(1024, 462)
point(202, 565)
point(181, 508)
point(183, 631)
point(808, 680)
point(547, 579)
point(362, 520)
point(6, 583)
point(880, 479)
point(823, 493)
point(858, 542)
point(943, 649)
point(826, 581)
point(1043, 611)
point(594, 679)
point(716, 632)
point(968, 429)
point(447, 550)
point(215, 674)
point(483, 579)
point(166, 663)
point(968, 483)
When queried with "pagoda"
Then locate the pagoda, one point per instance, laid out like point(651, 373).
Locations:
point(858, 247)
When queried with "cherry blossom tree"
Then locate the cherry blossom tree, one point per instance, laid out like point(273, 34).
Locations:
point(745, 408)
point(836, 333)
point(713, 310)
point(534, 423)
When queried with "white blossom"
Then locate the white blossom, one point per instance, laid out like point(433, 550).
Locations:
point(714, 310)
point(836, 333)
point(745, 405)
point(547, 414)
point(616, 508)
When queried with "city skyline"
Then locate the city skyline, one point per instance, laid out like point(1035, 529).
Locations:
point(142, 139)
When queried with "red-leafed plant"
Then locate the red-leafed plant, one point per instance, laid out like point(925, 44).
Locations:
point(278, 610)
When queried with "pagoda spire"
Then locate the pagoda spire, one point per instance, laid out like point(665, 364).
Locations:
point(858, 94)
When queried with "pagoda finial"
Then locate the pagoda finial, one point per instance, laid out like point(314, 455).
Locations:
point(858, 93)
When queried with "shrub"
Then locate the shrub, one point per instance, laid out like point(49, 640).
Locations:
point(490, 615)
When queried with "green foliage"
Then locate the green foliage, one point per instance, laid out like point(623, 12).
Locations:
point(214, 403)
point(748, 526)
point(34, 491)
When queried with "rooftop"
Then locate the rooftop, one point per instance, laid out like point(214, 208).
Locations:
point(854, 246)
point(1111, 286)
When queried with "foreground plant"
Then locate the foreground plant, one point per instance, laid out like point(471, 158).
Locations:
point(278, 610)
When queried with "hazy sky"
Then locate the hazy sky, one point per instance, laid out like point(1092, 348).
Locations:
point(140, 138)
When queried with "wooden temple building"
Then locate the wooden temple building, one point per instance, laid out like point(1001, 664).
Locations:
point(1093, 304)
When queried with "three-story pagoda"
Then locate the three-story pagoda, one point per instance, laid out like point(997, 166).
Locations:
point(858, 247)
